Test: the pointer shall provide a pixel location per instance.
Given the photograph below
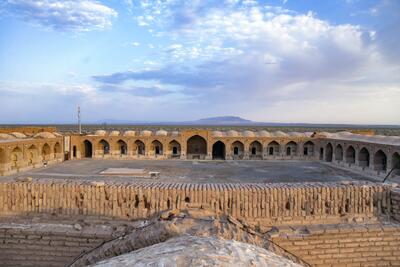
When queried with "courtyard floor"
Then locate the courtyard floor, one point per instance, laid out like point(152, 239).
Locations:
point(197, 171)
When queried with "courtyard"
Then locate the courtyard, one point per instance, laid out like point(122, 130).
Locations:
point(193, 171)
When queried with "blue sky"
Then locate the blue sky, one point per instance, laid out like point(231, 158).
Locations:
point(333, 61)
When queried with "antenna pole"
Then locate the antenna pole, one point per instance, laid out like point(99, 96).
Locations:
point(79, 120)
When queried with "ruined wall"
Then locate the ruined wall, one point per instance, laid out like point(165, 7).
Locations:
point(395, 203)
point(27, 245)
point(266, 204)
point(345, 245)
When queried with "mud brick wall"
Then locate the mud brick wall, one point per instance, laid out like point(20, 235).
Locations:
point(49, 245)
point(395, 197)
point(267, 204)
point(345, 245)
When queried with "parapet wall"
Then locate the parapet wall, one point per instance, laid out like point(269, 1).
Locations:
point(263, 204)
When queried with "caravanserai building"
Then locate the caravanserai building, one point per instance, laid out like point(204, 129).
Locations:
point(373, 154)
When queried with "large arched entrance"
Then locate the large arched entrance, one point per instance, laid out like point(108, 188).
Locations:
point(218, 150)
point(196, 147)
point(88, 149)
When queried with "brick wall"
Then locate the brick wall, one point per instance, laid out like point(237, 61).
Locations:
point(345, 245)
point(46, 245)
point(395, 197)
point(267, 204)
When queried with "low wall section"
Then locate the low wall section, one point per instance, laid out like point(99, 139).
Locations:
point(266, 204)
point(345, 245)
point(30, 245)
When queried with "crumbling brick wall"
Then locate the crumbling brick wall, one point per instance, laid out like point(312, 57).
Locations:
point(267, 204)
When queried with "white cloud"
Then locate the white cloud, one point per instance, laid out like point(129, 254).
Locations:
point(67, 15)
point(269, 55)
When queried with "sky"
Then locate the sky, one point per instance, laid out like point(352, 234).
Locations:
point(310, 61)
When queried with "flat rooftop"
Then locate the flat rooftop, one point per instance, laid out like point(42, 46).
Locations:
point(245, 171)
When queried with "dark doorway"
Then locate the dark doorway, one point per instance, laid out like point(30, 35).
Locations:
point(218, 150)
point(74, 152)
point(123, 147)
point(174, 150)
point(88, 149)
point(235, 150)
point(329, 153)
point(288, 151)
point(196, 147)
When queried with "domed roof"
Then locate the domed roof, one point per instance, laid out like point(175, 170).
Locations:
point(162, 132)
point(263, 133)
point(295, 134)
point(248, 134)
point(217, 133)
point(100, 133)
point(326, 134)
point(114, 133)
point(145, 133)
point(174, 133)
point(344, 133)
point(188, 250)
point(232, 133)
point(5, 136)
point(57, 134)
point(279, 134)
point(18, 135)
point(44, 135)
point(129, 133)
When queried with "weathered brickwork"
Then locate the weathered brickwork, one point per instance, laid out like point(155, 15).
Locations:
point(266, 204)
point(345, 245)
point(24, 245)
point(395, 197)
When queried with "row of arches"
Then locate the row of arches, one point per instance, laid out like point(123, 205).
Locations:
point(197, 148)
point(363, 158)
point(19, 157)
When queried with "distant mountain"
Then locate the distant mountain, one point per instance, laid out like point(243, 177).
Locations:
point(223, 120)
